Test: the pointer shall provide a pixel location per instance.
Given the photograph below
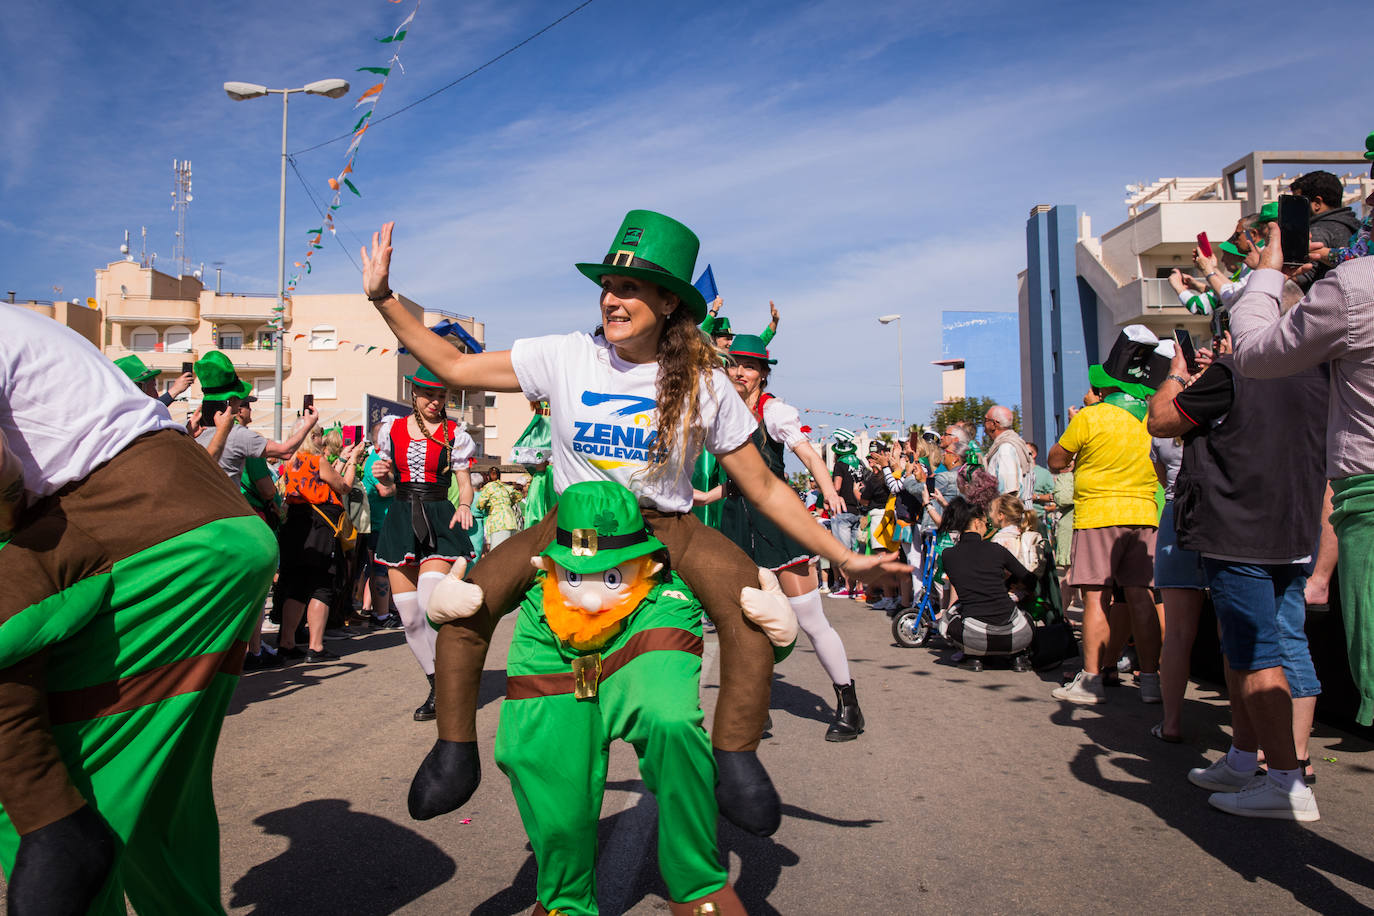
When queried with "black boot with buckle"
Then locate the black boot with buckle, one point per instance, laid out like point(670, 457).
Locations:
point(425, 712)
point(849, 719)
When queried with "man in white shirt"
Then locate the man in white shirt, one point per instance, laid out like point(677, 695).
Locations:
point(1008, 459)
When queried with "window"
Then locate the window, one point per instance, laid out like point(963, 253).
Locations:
point(265, 388)
point(323, 337)
point(490, 401)
point(264, 340)
point(143, 339)
point(323, 389)
point(230, 337)
point(177, 339)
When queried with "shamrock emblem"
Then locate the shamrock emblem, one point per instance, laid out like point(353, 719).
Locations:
point(605, 523)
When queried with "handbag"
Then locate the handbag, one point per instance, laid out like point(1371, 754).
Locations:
point(345, 535)
point(1051, 644)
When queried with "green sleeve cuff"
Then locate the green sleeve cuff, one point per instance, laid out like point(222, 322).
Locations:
point(767, 335)
point(781, 652)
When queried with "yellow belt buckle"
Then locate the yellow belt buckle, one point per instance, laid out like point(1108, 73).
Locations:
point(586, 675)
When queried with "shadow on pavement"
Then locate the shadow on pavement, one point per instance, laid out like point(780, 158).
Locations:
point(762, 860)
point(1155, 776)
point(800, 702)
point(341, 861)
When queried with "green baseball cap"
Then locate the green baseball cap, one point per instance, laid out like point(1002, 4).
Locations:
point(599, 526)
point(1230, 249)
point(135, 369)
point(750, 345)
point(1267, 213)
point(218, 379)
point(657, 248)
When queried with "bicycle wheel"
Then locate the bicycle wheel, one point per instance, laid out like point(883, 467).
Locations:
point(910, 630)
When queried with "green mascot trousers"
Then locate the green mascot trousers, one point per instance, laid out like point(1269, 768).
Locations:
point(554, 747)
point(141, 636)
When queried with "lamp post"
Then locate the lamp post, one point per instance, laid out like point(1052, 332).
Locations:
point(239, 92)
point(901, 392)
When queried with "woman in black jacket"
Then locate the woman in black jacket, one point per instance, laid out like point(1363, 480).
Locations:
point(983, 619)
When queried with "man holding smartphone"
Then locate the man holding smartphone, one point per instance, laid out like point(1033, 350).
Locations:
point(224, 390)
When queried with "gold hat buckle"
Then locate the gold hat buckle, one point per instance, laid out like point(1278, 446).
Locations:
point(584, 542)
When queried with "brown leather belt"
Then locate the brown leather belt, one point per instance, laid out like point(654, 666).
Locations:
point(186, 675)
point(529, 686)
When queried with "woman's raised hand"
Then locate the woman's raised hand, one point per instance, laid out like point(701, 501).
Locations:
point(377, 264)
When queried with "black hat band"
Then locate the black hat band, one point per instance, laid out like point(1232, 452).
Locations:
point(606, 542)
point(231, 388)
point(629, 259)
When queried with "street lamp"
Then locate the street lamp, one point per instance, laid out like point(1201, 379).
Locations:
point(901, 392)
point(240, 92)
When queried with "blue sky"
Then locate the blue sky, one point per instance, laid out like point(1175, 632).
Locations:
point(845, 160)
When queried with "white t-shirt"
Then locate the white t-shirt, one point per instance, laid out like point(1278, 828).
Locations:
point(604, 416)
point(64, 408)
point(783, 423)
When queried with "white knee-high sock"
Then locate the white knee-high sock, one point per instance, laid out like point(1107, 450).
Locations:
point(419, 635)
point(829, 648)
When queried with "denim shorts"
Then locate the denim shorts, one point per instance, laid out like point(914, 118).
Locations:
point(1175, 567)
point(1262, 613)
point(845, 527)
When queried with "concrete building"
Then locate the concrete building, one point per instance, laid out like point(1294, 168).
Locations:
point(976, 350)
point(333, 344)
point(81, 317)
point(1079, 290)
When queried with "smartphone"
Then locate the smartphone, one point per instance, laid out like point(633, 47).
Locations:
point(1185, 346)
point(1203, 245)
point(208, 410)
point(307, 402)
point(352, 434)
point(1221, 323)
point(187, 367)
point(1294, 215)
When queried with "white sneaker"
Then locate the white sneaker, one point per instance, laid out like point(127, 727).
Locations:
point(1084, 688)
point(1149, 689)
point(1265, 798)
point(1219, 777)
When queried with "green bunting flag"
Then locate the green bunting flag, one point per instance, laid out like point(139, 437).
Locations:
point(351, 187)
point(399, 36)
point(316, 231)
point(360, 121)
point(380, 71)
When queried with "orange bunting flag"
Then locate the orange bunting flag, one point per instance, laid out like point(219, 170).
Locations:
point(373, 91)
point(298, 337)
point(333, 184)
point(383, 353)
point(298, 263)
point(348, 168)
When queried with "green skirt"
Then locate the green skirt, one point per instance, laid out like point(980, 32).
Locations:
point(400, 545)
point(758, 536)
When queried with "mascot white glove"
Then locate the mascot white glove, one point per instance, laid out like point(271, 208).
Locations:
point(769, 608)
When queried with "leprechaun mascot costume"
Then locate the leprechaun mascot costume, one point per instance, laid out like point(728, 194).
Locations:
point(131, 576)
point(608, 645)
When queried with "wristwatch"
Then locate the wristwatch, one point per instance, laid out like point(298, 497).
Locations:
point(1178, 378)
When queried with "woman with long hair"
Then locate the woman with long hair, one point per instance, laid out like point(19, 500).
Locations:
point(310, 555)
point(424, 534)
point(634, 401)
point(983, 620)
point(779, 427)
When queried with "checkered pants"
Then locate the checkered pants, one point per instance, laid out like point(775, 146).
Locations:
point(977, 637)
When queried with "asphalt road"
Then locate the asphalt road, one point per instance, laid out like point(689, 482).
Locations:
point(967, 793)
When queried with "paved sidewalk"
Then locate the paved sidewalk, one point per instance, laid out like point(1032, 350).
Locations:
point(968, 793)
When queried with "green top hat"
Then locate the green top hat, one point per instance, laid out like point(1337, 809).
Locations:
point(751, 345)
point(1369, 147)
point(218, 380)
point(423, 378)
point(599, 526)
point(654, 247)
point(134, 368)
point(718, 327)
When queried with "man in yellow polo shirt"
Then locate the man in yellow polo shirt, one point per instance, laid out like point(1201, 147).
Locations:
point(1115, 512)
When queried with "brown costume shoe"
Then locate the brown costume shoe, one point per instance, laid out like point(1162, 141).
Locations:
point(723, 902)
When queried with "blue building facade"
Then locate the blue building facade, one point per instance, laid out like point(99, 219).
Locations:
point(986, 342)
point(1058, 325)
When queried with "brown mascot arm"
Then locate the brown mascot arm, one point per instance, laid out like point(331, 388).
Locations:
point(34, 787)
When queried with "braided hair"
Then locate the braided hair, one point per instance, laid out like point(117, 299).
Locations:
point(444, 442)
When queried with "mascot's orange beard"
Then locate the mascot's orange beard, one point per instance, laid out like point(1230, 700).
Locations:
point(584, 630)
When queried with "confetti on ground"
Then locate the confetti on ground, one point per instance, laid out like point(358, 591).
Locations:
point(1329, 759)
point(466, 820)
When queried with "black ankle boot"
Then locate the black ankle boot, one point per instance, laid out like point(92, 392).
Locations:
point(849, 719)
point(425, 712)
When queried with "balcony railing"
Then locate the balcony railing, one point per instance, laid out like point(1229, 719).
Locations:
point(146, 310)
point(248, 308)
point(257, 357)
point(154, 358)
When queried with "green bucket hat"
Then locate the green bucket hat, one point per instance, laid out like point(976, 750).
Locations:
point(751, 345)
point(218, 379)
point(423, 378)
point(599, 526)
point(654, 247)
point(135, 369)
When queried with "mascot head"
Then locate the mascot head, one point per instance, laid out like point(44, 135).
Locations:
point(600, 564)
